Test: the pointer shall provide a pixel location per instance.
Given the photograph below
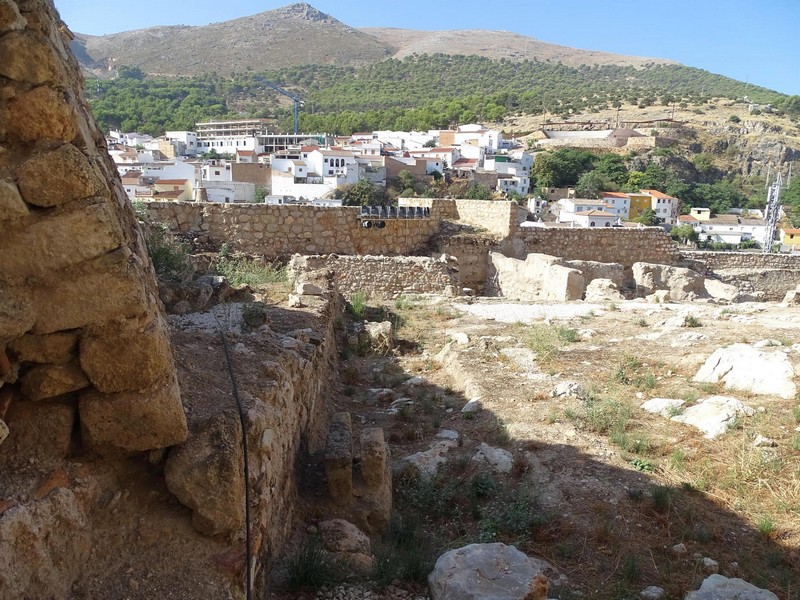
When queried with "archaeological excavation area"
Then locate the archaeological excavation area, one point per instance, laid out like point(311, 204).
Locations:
point(251, 401)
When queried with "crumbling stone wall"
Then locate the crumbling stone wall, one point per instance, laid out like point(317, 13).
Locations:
point(609, 244)
point(715, 261)
point(471, 253)
point(286, 230)
point(381, 276)
point(79, 315)
point(498, 217)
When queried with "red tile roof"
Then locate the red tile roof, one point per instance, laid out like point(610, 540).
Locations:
point(614, 194)
point(172, 181)
point(791, 231)
point(245, 152)
point(596, 213)
point(687, 219)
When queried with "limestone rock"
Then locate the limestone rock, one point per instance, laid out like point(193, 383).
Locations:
point(39, 430)
point(49, 381)
point(10, 19)
point(54, 537)
point(206, 474)
point(682, 284)
point(745, 368)
point(427, 462)
point(339, 535)
point(483, 571)
point(459, 337)
point(603, 290)
point(568, 389)
point(339, 459)
point(12, 205)
point(714, 415)
point(652, 593)
point(761, 441)
point(474, 405)
point(380, 335)
point(723, 291)
point(710, 565)
point(16, 314)
point(41, 114)
point(666, 407)
point(308, 289)
point(120, 361)
point(134, 421)
point(54, 348)
point(58, 177)
point(374, 455)
point(27, 58)
point(717, 587)
point(498, 459)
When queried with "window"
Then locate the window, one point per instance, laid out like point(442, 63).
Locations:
point(591, 224)
point(607, 224)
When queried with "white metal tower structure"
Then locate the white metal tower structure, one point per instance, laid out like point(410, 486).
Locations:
point(773, 211)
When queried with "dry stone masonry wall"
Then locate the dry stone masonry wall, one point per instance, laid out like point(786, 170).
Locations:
point(286, 230)
point(80, 323)
point(381, 276)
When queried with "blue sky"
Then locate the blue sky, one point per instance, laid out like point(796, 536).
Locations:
point(750, 40)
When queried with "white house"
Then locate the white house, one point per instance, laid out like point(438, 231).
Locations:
point(513, 170)
point(217, 171)
point(666, 207)
point(447, 156)
point(313, 172)
point(595, 218)
point(730, 229)
point(617, 203)
point(570, 208)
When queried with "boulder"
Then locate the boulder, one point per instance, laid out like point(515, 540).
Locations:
point(308, 289)
point(666, 407)
point(473, 405)
point(715, 415)
point(206, 474)
point(652, 593)
point(498, 459)
point(339, 535)
point(488, 571)
point(718, 587)
point(603, 290)
point(745, 368)
point(682, 284)
point(568, 389)
point(593, 270)
point(380, 335)
point(427, 462)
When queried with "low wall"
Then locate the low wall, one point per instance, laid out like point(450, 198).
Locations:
point(284, 230)
point(613, 244)
point(743, 260)
point(771, 275)
point(499, 217)
point(380, 276)
point(471, 254)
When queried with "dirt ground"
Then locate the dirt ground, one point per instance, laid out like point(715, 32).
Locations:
point(600, 488)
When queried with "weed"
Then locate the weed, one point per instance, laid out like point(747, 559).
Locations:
point(796, 413)
point(612, 306)
point(254, 315)
point(240, 271)
point(692, 321)
point(500, 435)
point(482, 486)
point(678, 459)
point(358, 304)
point(515, 514)
point(641, 323)
point(796, 442)
point(406, 553)
point(351, 375)
point(604, 416)
point(310, 567)
point(468, 416)
point(765, 526)
point(662, 498)
point(631, 569)
point(567, 334)
point(403, 303)
point(642, 465)
point(170, 258)
point(405, 412)
point(635, 494)
point(427, 404)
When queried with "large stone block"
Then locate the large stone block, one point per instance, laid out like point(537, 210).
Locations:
point(58, 240)
point(373, 456)
point(57, 177)
point(339, 459)
point(120, 360)
point(134, 421)
point(16, 313)
point(38, 430)
point(49, 381)
point(10, 19)
point(54, 348)
point(206, 473)
point(27, 57)
point(111, 288)
point(41, 114)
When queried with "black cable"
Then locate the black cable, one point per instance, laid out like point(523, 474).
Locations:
point(242, 421)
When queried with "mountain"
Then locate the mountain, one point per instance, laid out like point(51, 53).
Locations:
point(497, 45)
point(292, 35)
point(299, 34)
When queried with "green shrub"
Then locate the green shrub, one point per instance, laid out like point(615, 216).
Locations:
point(240, 271)
point(358, 304)
point(310, 567)
point(170, 258)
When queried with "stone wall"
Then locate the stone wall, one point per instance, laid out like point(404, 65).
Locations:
point(79, 315)
point(612, 244)
point(285, 230)
point(471, 253)
point(768, 276)
point(499, 217)
point(381, 276)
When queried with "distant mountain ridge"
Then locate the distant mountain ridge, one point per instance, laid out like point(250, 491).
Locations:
point(299, 34)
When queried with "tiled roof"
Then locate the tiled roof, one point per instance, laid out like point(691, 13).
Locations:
point(657, 194)
point(596, 213)
point(172, 181)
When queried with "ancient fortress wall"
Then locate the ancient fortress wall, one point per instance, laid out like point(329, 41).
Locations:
point(286, 230)
point(612, 244)
point(497, 217)
point(380, 276)
point(80, 319)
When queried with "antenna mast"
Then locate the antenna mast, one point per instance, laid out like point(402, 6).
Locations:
point(773, 211)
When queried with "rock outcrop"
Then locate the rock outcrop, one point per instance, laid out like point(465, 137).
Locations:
point(745, 368)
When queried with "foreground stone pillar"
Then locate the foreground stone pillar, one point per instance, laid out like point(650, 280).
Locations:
point(80, 318)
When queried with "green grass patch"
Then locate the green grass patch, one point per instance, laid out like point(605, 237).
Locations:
point(241, 271)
